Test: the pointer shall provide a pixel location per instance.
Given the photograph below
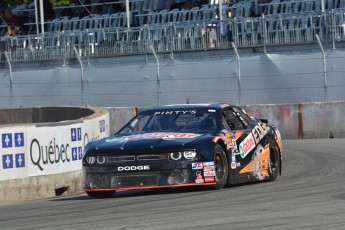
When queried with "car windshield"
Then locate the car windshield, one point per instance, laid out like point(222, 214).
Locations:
point(173, 120)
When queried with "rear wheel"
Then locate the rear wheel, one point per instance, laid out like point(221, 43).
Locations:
point(103, 194)
point(221, 167)
point(274, 164)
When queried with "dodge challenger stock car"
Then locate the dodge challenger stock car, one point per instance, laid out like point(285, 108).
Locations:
point(183, 145)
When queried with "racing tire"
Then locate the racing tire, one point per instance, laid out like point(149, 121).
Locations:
point(103, 194)
point(274, 163)
point(221, 168)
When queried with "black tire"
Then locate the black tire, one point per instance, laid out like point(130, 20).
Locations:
point(274, 164)
point(103, 194)
point(221, 167)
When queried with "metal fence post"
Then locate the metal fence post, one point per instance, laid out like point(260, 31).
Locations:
point(82, 74)
point(238, 72)
point(324, 67)
point(10, 72)
point(158, 76)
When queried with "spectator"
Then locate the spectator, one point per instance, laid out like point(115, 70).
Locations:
point(14, 30)
point(215, 26)
point(11, 19)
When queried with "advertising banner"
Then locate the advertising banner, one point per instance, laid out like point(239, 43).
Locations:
point(13, 157)
point(56, 149)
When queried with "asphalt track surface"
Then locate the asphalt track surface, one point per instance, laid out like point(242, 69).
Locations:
point(309, 195)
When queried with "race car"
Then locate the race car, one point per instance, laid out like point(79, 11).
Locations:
point(183, 145)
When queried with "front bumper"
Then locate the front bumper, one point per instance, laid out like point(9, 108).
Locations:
point(168, 175)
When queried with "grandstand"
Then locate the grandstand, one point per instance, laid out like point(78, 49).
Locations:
point(251, 52)
point(246, 24)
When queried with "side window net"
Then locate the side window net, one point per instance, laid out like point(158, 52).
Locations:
point(233, 121)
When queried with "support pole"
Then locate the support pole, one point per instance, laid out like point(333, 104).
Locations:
point(10, 73)
point(324, 67)
point(81, 76)
point(42, 16)
point(128, 14)
point(238, 72)
point(158, 77)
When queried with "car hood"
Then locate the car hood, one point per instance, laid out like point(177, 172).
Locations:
point(147, 142)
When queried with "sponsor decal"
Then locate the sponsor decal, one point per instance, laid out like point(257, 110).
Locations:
point(238, 164)
point(199, 179)
point(210, 173)
point(133, 168)
point(236, 152)
point(247, 145)
point(209, 168)
point(259, 131)
point(197, 165)
point(233, 165)
point(209, 178)
point(165, 136)
point(208, 163)
point(226, 138)
point(258, 166)
point(233, 158)
point(175, 112)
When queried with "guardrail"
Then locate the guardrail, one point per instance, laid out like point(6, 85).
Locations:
point(176, 37)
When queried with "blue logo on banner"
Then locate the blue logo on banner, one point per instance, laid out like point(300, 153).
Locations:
point(102, 126)
point(74, 154)
point(20, 160)
point(80, 153)
point(6, 139)
point(19, 139)
point(79, 134)
point(7, 161)
point(73, 134)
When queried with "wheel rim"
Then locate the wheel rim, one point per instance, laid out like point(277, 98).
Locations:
point(219, 167)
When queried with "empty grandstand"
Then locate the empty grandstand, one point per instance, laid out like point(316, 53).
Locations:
point(149, 52)
point(103, 32)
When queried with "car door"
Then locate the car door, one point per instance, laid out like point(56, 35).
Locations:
point(242, 166)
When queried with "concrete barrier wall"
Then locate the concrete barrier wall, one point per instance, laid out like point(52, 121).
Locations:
point(44, 159)
point(307, 120)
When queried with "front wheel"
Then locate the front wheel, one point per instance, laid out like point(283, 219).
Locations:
point(103, 194)
point(221, 167)
point(274, 164)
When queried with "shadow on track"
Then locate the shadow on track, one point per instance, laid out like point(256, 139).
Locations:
point(153, 192)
